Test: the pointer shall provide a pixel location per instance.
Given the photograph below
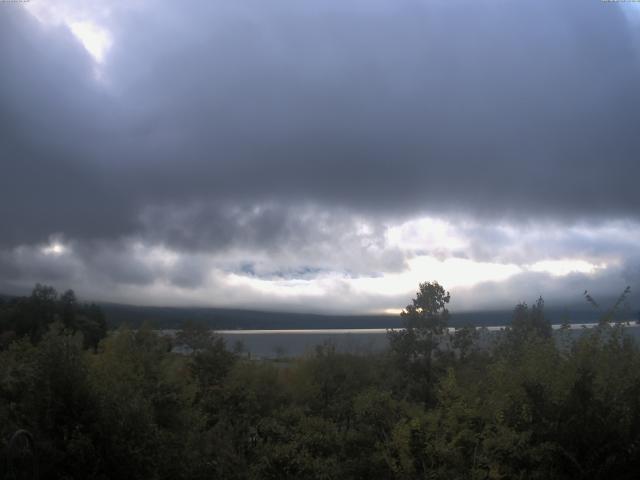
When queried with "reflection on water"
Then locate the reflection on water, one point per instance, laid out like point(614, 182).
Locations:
point(292, 343)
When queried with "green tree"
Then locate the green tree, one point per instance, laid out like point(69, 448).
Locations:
point(69, 310)
point(38, 312)
point(93, 325)
point(528, 322)
point(610, 314)
point(195, 336)
point(415, 346)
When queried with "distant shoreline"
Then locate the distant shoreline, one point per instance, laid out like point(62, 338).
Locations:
point(322, 331)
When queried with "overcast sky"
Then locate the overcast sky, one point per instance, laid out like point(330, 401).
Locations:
point(320, 155)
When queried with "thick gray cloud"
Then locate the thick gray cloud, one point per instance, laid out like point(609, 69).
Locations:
point(259, 134)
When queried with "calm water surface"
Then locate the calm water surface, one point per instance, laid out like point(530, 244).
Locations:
point(291, 343)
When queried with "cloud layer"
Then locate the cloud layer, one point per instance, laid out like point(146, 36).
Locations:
point(319, 155)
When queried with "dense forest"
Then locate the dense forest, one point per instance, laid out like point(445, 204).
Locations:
point(78, 402)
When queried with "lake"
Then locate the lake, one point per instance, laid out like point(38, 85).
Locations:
point(293, 343)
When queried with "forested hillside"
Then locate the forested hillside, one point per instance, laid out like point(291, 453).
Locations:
point(530, 406)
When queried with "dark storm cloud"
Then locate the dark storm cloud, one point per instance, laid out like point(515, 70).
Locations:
point(54, 121)
point(265, 133)
point(273, 227)
point(114, 262)
point(557, 291)
point(24, 264)
point(530, 241)
point(525, 108)
point(498, 108)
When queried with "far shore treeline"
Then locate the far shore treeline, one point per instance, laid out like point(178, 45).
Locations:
point(79, 400)
point(135, 316)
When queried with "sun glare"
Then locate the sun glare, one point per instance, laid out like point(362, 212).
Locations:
point(95, 39)
point(83, 24)
point(54, 249)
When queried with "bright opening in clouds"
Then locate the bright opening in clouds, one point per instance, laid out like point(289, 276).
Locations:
point(564, 267)
point(82, 19)
point(95, 39)
point(54, 248)
point(320, 156)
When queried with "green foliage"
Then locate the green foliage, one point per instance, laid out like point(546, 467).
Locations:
point(414, 347)
point(32, 316)
point(530, 321)
point(528, 406)
point(610, 314)
point(464, 341)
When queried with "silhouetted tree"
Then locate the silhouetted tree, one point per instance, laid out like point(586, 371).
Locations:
point(69, 310)
point(528, 321)
point(425, 320)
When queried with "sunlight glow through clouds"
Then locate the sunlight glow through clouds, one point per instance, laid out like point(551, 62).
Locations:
point(281, 288)
point(95, 39)
point(425, 233)
point(335, 289)
point(559, 268)
point(84, 24)
point(452, 272)
point(55, 249)
point(142, 87)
